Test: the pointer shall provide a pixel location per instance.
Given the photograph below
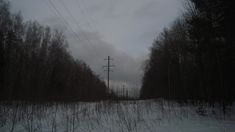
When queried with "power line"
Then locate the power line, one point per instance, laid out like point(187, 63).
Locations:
point(58, 14)
point(82, 6)
point(74, 19)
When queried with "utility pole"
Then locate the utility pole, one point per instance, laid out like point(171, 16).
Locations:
point(108, 66)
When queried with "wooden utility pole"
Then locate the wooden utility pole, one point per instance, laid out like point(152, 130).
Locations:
point(108, 66)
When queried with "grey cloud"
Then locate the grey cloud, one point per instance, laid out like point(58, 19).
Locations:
point(93, 50)
point(148, 9)
point(55, 22)
point(122, 29)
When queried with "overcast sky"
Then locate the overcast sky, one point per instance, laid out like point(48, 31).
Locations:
point(95, 29)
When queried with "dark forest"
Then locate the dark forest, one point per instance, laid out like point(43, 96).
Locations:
point(194, 59)
point(36, 64)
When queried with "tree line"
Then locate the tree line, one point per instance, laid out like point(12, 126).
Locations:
point(194, 59)
point(35, 64)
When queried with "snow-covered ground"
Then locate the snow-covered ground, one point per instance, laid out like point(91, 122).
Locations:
point(110, 116)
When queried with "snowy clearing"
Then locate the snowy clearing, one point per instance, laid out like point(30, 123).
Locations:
point(122, 116)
